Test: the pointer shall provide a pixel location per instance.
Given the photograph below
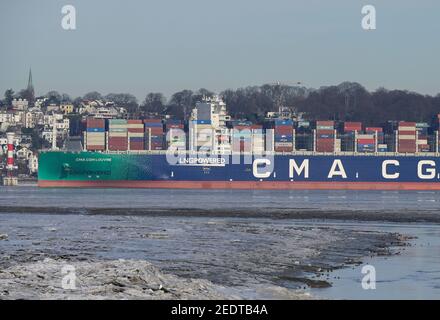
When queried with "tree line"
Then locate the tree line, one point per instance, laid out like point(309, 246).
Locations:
point(347, 101)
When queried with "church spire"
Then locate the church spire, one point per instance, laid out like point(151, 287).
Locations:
point(30, 85)
point(30, 89)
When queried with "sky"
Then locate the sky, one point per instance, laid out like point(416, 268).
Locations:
point(142, 46)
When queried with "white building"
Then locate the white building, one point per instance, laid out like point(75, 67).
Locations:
point(32, 117)
point(20, 104)
point(40, 102)
point(24, 154)
point(33, 164)
point(62, 129)
point(53, 108)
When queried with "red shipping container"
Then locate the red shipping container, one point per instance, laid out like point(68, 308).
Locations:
point(404, 146)
point(154, 132)
point(325, 145)
point(152, 120)
point(413, 133)
point(136, 130)
point(325, 123)
point(322, 149)
point(117, 148)
point(352, 126)
point(283, 127)
point(407, 124)
point(325, 140)
point(134, 121)
point(373, 129)
point(325, 131)
point(95, 123)
point(99, 148)
point(407, 150)
point(136, 146)
point(284, 131)
point(366, 141)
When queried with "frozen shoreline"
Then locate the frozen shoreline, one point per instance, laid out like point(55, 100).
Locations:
point(243, 258)
point(116, 279)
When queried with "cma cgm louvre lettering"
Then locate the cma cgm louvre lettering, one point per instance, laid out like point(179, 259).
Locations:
point(262, 168)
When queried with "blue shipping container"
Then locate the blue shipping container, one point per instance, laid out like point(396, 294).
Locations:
point(154, 125)
point(202, 121)
point(136, 139)
point(325, 136)
point(95, 130)
point(174, 121)
point(283, 123)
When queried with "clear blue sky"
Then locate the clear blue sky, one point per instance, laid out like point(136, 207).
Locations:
point(140, 46)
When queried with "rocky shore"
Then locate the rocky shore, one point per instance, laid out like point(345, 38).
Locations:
point(116, 279)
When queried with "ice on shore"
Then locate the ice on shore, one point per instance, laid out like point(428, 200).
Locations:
point(116, 279)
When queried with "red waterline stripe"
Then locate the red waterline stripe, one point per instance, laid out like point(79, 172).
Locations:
point(259, 185)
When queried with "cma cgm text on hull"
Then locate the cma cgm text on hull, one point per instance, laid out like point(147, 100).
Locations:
point(274, 171)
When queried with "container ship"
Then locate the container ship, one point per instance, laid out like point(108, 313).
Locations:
point(212, 151)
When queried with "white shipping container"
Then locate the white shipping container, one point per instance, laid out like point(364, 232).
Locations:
point(283, 144)
point(118, 134)
point(407, 128)
point(365, 136)
point(407, 137)
point(136, 134)
point(202, 126)
point(135, 126)
point(95, 135)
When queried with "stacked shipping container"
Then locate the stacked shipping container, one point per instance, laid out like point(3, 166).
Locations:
point(378, 132)
point(325, 136)
point(149, 134)
point(284, 136)
point(175, 133)
point(242, 138)
point(117, 135)
point(422, 137)
point(407, 137)
point(136, 136)
point(95, 134)
point(366, 143)
point(154, 135)
point(350, 127)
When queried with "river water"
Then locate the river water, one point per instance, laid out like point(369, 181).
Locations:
point(247, 255)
